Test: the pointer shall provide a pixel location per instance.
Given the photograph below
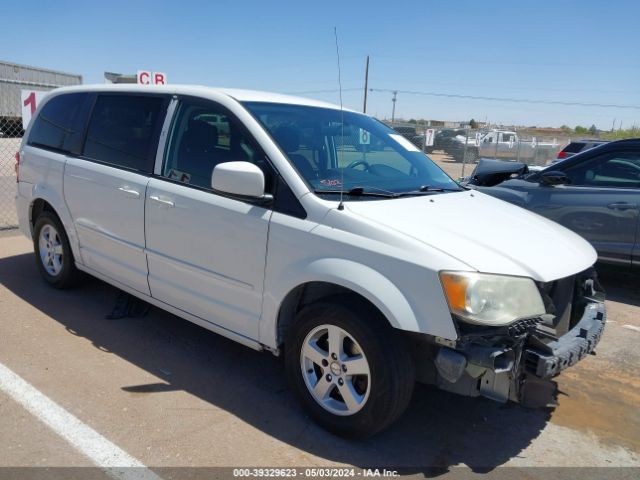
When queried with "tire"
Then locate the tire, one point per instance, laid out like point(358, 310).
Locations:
point(370, 345)
point(53, 253)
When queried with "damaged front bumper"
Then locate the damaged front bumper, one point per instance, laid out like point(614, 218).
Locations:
point(518, 362)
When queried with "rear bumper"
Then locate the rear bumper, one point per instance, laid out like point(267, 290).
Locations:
point(549, 360)
point(22, 203)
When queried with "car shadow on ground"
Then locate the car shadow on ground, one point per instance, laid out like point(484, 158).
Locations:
point(622, 288)
point(439, 430)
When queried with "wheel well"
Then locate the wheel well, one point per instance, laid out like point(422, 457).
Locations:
point(37, 208)
point(312, 292)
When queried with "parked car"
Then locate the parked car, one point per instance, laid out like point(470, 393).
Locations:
point(366, 270)
point(501, 144)
point(411, 134)
point(595, 193)
point(577, 146)
point(443, 138)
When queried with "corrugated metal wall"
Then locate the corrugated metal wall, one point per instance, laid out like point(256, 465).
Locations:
point(15, 77)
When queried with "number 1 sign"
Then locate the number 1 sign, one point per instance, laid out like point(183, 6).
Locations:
point(29, 101)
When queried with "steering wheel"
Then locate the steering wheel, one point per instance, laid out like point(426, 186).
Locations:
point(357, 163)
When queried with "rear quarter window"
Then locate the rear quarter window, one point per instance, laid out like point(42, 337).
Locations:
point(123, 130)
point(574, 147)
point(59, 125)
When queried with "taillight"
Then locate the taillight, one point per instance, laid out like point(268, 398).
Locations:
point(17, 166)
point(562, 154)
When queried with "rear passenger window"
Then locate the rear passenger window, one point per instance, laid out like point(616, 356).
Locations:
point(124, 129)
point(59, 125)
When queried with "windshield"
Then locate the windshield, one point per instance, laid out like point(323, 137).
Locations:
point(371, 158)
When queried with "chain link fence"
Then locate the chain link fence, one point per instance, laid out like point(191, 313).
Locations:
point(10, 138)
point(20, 89)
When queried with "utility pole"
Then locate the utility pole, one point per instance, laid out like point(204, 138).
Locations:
point(366, 85)
point(393, 111)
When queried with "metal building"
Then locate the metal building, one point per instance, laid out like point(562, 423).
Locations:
point(14, 78)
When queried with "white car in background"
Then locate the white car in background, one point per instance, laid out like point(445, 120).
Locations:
point(368, 270)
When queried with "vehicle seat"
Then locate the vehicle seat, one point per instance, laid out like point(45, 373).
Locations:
point(289, 140)
point(198, 154)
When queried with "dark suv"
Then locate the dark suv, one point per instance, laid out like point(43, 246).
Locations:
point(577, 146)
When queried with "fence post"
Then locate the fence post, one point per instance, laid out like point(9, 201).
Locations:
point(464, 151)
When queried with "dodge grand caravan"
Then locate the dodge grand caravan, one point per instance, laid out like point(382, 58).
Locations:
point(368, 269)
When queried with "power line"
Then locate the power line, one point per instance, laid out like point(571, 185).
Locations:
point(335, 90)
point(509, 99)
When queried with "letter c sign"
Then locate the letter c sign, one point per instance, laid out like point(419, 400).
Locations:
point(146, 77)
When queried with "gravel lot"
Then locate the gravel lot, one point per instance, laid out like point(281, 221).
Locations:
point(172, 394)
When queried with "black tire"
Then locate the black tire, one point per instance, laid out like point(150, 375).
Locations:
point(391, 369)
point(68, 275)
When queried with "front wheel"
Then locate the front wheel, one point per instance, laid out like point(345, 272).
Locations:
point(348, 368)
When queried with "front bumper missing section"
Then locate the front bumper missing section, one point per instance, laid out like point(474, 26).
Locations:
point(523, 371)
point(548, 360)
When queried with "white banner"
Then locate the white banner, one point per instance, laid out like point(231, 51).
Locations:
point(429, 136)
point(29, 101)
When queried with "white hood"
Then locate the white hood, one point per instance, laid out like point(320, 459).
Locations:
point(487, 234)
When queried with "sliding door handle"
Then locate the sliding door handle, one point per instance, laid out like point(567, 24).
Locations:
point(162, 201)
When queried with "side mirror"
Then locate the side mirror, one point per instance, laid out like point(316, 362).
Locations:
point(243, 179)
point(554, 177)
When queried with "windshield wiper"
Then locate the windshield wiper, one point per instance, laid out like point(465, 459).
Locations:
point(361, 192)
point(358, 192)
point(426, 190)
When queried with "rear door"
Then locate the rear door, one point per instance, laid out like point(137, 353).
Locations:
point(207, 251)
point(601, 203)
point(105, 187)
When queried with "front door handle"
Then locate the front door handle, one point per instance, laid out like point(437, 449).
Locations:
point(130, 192)
point(622, 206)
point(162, 201)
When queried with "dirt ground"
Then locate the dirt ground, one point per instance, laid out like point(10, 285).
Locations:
point(172, 394)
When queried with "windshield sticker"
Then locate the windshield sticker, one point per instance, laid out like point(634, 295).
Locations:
point(330, 183)
point(404, 142)
point(180, 176)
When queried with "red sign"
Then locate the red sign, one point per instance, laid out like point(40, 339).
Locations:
point(146, 77)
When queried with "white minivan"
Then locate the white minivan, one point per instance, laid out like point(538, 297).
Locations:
point(284, 229)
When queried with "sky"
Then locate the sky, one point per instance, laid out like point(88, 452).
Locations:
point(551, 51)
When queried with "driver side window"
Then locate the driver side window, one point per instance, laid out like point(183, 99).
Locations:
point(203, 135)
point(617, 170)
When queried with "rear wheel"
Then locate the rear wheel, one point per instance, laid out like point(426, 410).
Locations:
point(347, 367)
point(53, 252)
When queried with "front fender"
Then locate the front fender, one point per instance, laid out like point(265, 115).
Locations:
point(359, 278)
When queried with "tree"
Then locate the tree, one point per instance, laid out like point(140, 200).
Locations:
point(581, 130)
point(473, 124)
point(593, 130)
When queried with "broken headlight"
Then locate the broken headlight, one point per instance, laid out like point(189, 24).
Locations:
point(488, 299)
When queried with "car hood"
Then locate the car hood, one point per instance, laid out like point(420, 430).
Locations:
point(490, 172)
point(485, 233)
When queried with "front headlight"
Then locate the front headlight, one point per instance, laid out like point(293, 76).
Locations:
point(488, 299)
